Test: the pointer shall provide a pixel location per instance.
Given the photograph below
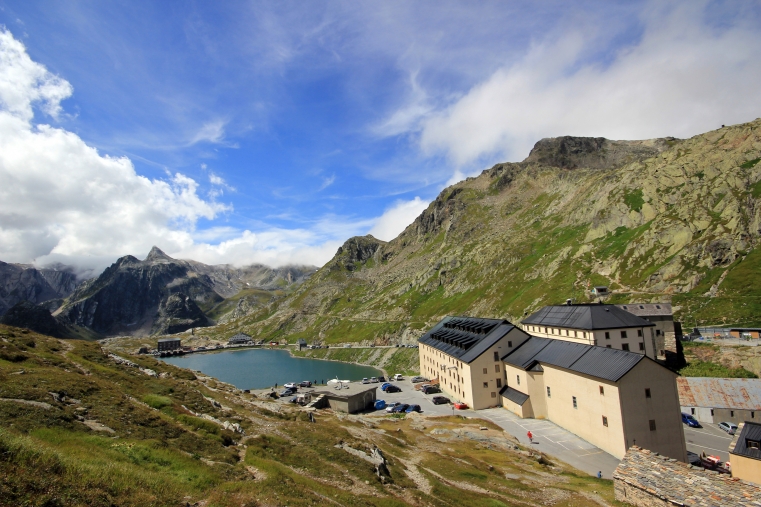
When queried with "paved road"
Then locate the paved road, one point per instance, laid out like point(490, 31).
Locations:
point(710, 439)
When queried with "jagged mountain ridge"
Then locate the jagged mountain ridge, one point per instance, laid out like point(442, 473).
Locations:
point(22, 282)
point(656, 220)
point(163, 295)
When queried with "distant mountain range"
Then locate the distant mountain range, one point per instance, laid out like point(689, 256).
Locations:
point(158, 295)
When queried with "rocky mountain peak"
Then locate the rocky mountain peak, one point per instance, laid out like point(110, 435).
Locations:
point(572, 152)
point(157, 255)
point(358, 250)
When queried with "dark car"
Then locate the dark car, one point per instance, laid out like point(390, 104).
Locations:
point(690, 421)
point(400, 408)
point(305, 383)
point(440, 400)
point(393, 389)
point(287, 392)
point(413, 408)
point(381, 379)
point(430, 390)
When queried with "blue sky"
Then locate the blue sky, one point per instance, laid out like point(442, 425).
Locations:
point(272, 131)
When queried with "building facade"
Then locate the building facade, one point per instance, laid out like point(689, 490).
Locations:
point(167, 344)
point(594, 324)
point(612, 398)
point(465, 353)
point(745, 452)
point(662, 315)
point(715, 400)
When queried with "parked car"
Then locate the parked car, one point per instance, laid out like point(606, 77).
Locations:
point(287, 392)
point(728, 427)
point(413, 408)
point(460, 405)
point(295, 399)
point(690, 421)
point(380, 404)
point(384, 386)
point(373, 380)
point(381, 379)
point(305, 383)
point(291, 385)
point(430, 390)
point(400, 408)
point(393, 389)
point(440, 400)
point(391, 406)
point(416, 380)
point(398, 376)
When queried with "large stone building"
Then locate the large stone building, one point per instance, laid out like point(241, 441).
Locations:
point(667, 332)
point(594, 324)
point(609, 397)
point(465, 354)
point(745, 453)
point(715, 400)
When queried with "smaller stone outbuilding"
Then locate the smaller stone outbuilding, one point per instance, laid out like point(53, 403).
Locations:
point(647, 479)
point(167, 344)
point(745, 453)
point(239, 339)
point(714, 400)
point(348, 397)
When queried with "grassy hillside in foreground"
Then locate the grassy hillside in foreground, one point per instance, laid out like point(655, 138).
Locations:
point(112, 435)
point(665, 220)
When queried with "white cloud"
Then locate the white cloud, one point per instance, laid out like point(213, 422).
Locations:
point(396, 218)
point(682, 78)
point(326, 182)
point(210, 132)
point(60, 199)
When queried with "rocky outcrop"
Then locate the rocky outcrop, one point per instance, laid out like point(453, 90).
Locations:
point(570, 152)
point(21, 282)
point(178, 313)
point(35, 317)
point(356, 251)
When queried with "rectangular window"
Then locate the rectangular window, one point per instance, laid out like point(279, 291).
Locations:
point(752, 444)
point(731, 413)
point(604, 421)
point(575, 334)
point(486, 371)
point(486, 385)
point(652, 424)
point(549, 395)
point(499, 382)
point(647, 393)
point(623, 334)
point(602, 390)
point(518, 379)
point(607, 335)
point(574, 402)
point(496, 355)
point(639, 333)
point(641, 345)
point(692, 411)
point(493, 394)
point(711, 411)
point(625, 346)
point(752, 415)
point(496, 368)
point(509, 344)
point(607, 346)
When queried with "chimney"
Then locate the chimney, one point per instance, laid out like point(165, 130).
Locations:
point(569, 302)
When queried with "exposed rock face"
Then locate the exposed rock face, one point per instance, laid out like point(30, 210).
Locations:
point(34, 317)
point(20, 282)
point(135, 297)
point(659, 220)
point(178, 313)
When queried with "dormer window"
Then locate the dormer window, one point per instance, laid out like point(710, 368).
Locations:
point(752, 444)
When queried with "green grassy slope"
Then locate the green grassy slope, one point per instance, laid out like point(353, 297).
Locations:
point(114, 436)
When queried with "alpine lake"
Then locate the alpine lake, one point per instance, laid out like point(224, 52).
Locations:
point(262, 368)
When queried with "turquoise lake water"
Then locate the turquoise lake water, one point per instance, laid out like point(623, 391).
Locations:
point(261, 368)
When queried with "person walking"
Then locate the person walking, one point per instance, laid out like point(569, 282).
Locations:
point(530, 437)
point(599, 474)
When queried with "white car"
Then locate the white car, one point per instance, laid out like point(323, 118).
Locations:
point(398, 376)
point(291, 385)
point(728, 427)
point(390, 407)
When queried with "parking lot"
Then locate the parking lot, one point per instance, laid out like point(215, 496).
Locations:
point(710, 439)
point(412, 397)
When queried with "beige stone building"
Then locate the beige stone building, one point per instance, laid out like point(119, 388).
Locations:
point(594, 324)
point(745, 452)
point(465, 354)
point(666, 330)
point(609, 397)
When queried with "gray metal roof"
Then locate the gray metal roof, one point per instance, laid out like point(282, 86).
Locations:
point(466, 338)
point(731, 393)
point(600, 362)
point(514, 395)
point(747, 431)
point(586, 316)
point(647, 309)
point(163, 340)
